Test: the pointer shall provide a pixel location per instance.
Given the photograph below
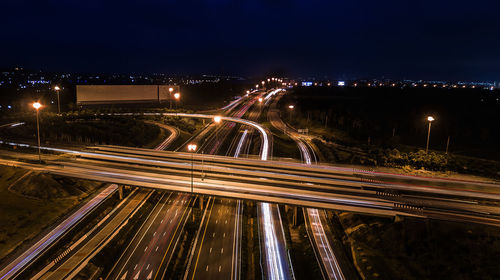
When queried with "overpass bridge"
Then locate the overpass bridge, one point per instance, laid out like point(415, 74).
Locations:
point(319, 186)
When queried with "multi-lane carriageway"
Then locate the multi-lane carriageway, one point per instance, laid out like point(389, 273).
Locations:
point(319, 186)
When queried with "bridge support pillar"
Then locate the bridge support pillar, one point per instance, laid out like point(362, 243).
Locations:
point(398, 218)
point(120, 191)
point(295, 212)
point(201, 202)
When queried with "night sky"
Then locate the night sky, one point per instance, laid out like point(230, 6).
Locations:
point(453, 40)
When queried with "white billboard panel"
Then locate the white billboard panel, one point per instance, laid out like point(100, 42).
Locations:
point(108, 94)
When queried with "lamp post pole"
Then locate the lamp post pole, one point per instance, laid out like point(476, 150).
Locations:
point(57, 89)
point(37, 106)
point(170, 91)
point(192, 149)
point(430, 119)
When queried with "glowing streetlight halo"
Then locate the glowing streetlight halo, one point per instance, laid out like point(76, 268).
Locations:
point(37, 105)
point(217, 119)
point(430, 118)
point(177, 95)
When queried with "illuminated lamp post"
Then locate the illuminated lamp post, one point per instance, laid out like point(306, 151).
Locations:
point(192, 149)
point(57, 89)
point(291, 111)
point(177, 97)
point(37, 106)
point(170, 91)
point(429, 119)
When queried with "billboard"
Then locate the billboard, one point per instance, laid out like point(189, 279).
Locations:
point(113, 94)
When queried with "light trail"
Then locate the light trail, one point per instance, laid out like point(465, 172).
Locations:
point(240, 144)
point(328, 258)
point(333, 268)
point(30, 254)
point(274, 265)
point(265, 137)
point(33, 252)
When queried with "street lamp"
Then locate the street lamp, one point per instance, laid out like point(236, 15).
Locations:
point(37, 106)
point(192, 149)
point(57, 89)
point(429, 119)
point(170, 91)
point(177, 96)
point(217, 120)
point(291, 111)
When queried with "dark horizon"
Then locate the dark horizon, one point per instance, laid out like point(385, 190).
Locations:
point(451, 41)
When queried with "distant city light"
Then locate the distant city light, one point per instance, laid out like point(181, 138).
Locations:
point(341, 83)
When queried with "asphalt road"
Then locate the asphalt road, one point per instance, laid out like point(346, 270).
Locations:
point(27, 256)
point(149, 252)
point(216, 251)
point(214, 256)
point(327, 258)
point(74, 261)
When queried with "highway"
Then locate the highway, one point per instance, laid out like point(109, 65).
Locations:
point(97, 240)
point(314, 217)
point(20, 263)
point(313, 186)
point(216, 252)
point(297, 190)
point(150, 251)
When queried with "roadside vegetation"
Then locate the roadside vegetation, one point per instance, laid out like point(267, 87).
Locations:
point(421, 249)
point(87, 129)
point(33, 201)
point(387, 128)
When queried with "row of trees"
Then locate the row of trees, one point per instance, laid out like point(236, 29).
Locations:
point(85, 128)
